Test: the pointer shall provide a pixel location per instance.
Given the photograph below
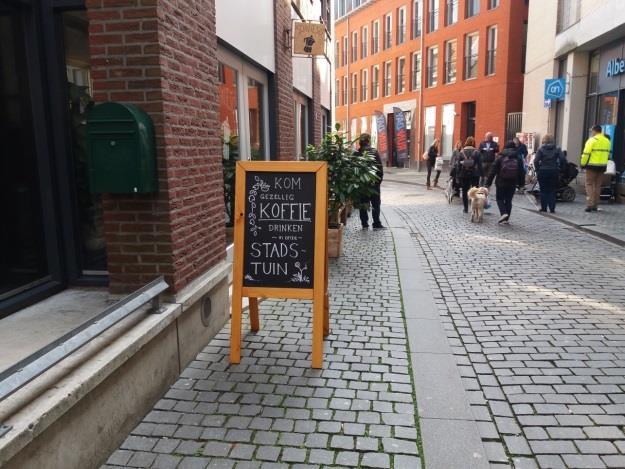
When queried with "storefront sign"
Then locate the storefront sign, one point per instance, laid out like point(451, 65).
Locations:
point(280, 250)
point(615, 68)
point(555, 88)
point(309, 38)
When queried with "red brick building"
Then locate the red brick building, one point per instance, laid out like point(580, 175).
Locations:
point(455, 67)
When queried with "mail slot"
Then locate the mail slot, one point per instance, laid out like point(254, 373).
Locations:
point(122, 154)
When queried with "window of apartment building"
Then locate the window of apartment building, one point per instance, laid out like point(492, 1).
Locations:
point(387, 78)
point(375, 82)
point(401, 75)
point(354, 88)
point(493, 4)
point(401, 25)
point(451, 48)
point(491, 50)
point(471, 44)
point(344, 51)
point(364, 79)
point(337, 94)
point(568, 14)
point(375, 37)
point(432, 66)
point(345, 91)
point(417, 18)
point(388, 30)
point(473, 8)
point(415, 82)
point(433, 15)
point(451, 12)
point(336, 54)
point(354, 46)
point(364, 37)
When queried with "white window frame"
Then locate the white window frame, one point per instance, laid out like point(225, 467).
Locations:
point(245, 71)
point(401, 66)
point(491, 47)
point(401, 25)
point(375, 85)
point(364, 82)
point(364, 42)
point(388, 78)
point(417, 19)
point(375, 37)
point(388, 31)
point(415, 84)
point(446, 79)
point(353, 52)
point(434, 81)
point(354, 89)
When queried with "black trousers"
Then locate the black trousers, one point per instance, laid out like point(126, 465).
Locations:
point(465, 185)
point(430, 165)
point(548, 183)
point(375, 200)
point(504, 199)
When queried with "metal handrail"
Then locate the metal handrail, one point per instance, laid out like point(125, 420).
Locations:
point(23, 372)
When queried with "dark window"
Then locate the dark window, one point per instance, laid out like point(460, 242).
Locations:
point(451, 12)
point(473, 8)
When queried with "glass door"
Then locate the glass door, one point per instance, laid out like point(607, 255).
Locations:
point(23, 253)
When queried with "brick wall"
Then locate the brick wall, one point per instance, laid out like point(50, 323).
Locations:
point(283, 84)
point(161, 56)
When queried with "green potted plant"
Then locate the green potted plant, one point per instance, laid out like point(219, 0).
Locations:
point(350, 178)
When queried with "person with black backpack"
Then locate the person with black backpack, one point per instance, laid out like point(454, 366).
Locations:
point(469, 170)
point(548, 163)
point(508, 173)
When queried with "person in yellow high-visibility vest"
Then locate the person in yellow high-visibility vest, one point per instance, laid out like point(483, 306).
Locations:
point(595, 160)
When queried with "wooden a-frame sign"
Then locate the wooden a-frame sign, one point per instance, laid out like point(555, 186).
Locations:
point(280, 243)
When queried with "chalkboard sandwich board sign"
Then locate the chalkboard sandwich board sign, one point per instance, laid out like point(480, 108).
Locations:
point(280, 242)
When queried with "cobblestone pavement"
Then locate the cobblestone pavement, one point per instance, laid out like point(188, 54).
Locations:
point(535, 314)
point(273, 410)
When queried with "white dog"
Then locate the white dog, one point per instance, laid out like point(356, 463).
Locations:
point(477, 195)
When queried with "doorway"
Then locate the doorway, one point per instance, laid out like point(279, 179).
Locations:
point(469, 112)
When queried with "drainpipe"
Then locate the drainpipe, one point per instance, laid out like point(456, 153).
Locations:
point(420, 106)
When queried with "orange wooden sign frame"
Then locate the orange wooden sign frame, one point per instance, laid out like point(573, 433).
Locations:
point(319, 292)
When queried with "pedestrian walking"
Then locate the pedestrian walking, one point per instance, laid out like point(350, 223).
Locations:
point(469, 170)
point(431, 163)
point(595, 160)
point(489, 149)
point(453, 167)
point(548, 163)
point(521, 149)
point(374, 197)
point(508, 173)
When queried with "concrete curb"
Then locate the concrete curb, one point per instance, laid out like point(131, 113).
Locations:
point(448, 429)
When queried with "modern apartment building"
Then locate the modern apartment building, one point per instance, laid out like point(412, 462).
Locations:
point(582, 42)
point(454, 67)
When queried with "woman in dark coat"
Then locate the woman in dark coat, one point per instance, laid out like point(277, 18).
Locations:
point(548, 162)
point(431, 162)
point(469, 170)
point(509, 173)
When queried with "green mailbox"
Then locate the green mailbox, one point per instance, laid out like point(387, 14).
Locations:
point(122, 153)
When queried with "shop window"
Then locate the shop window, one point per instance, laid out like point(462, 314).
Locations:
point(608, 108)
point(242, 117)
point(594, 73)
point(88, 206)
point(447, 130)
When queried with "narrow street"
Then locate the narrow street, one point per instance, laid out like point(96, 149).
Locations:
point(532, 316)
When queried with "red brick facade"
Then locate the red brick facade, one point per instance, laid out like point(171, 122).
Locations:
point(283, 83)
point(495, 95)
point(161, 55)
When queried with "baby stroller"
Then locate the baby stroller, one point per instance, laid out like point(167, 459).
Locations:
point(564, 193)
point(610, 180)
point(452, 189)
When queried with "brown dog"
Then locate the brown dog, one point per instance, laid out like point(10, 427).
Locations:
point(477, 195)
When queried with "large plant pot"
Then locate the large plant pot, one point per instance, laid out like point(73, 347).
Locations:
point(335, 241)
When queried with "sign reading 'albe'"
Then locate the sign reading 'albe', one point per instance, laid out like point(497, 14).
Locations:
point(279, 232)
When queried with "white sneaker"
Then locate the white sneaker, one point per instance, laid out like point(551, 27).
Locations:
point(504, 218)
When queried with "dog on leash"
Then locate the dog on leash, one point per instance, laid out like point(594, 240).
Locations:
point(477, 196)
